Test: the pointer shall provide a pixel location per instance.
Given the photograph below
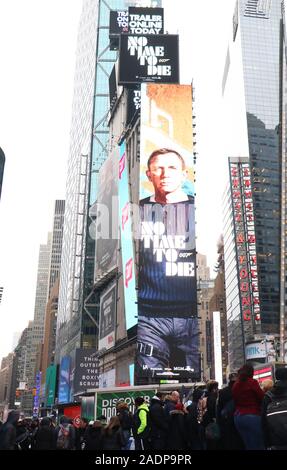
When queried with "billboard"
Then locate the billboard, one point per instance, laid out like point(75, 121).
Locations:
point(245, 240)
point(108, 305)
point(148, 58)
point(36, 400)
point(119, 22)
point(168, 335)
point(145, 20)
point(217, 348)
point(86, 370)
point(106, 232)
point(133, 104)
point(64, 380)
point(127, 249)
point(50, 388)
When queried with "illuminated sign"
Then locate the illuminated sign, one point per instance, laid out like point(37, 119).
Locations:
point(151, 58)
point(243, 212)
point(36, 401)
point(168, 337)
point(64, 380)
point(127, 250)
point(145, 20)
point(217, 348)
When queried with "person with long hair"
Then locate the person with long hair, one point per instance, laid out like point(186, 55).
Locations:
point(248, 396)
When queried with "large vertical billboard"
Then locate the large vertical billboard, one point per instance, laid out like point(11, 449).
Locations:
point(217, 348)
point(108, 305)
point(107, 219)
point(127, 249)
point(86, 370)
point(64, 380)
point(168, 335)
point(50, 388)
point(245, 240)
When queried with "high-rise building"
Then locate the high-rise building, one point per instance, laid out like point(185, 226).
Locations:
point(256, 129)
point(77, 322)
point(5, 382)
point(205, 292)
point(2, 164)
point(57, 241)
point(36, 332)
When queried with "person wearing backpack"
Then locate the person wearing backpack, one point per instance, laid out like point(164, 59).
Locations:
point(126, 421)
point(65, 435)
point(274, 413)
point(230, 438)
point(141, 429)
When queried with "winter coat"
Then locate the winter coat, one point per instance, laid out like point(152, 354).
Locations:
point(8, 432)
point(176, 438)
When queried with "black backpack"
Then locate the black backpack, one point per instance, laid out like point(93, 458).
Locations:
point(276, 418)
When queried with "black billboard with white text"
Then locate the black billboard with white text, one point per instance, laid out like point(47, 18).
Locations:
point(145, 20)
point(149, 58)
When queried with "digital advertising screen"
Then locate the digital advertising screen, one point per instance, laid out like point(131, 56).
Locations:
point(168, 330)
point(64, 380)
point(149, 57)
point(127, 249)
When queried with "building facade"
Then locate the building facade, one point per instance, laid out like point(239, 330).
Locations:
point(2, 164)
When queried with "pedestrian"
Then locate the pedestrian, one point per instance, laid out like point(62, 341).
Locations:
point(248, 396)
point(230, 438)
point(45, 437)
point(8, 431)
point(113, 438)
point(158, 422)
point(93, 437)
point(141, 428)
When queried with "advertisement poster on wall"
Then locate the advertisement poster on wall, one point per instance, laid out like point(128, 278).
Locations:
point(108, 303)
point(107, 219)
point(168, 334)
point(64, 380)
point(127, 248)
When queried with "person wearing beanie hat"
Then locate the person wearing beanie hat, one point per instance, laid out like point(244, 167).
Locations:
point(158, 420)
point(274, 412)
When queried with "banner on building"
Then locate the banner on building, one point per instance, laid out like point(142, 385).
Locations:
point(152, 58)
point(86, 374)
point(127, 249)
point(64, 380)
point(217, 347)
point(168, 335)
point(108, 305)
point(50, 388)
point(106, 220)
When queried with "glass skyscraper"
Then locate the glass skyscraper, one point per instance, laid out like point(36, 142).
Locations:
point(254, 84)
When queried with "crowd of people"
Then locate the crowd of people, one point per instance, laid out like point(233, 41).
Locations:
point(242, 415)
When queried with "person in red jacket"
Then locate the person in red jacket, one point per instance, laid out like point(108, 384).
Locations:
point(248, 396)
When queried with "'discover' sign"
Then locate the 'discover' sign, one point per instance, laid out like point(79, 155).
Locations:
point(149, 58)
